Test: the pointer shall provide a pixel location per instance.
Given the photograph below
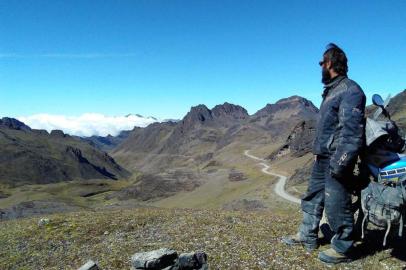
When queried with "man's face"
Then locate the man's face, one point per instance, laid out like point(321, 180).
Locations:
point(325, 74)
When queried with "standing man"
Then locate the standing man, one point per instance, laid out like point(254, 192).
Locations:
point(339, 139)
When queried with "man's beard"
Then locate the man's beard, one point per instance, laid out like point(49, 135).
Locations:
point(325, 76)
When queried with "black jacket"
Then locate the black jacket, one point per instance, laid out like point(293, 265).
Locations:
point(341, 124)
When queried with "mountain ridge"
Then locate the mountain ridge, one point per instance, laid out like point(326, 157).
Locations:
point(29, 156)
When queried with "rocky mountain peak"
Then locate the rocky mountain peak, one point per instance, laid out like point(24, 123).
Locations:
point(229, 110)
point(290, 105)
point(199, 113)
point(13, 123)
point(296, 100)
point(57, 133)
point(130, 115)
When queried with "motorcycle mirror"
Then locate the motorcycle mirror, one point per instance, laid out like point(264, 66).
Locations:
point(377, 100)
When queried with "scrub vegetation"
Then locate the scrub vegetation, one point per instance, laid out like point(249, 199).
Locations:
point(232, 240)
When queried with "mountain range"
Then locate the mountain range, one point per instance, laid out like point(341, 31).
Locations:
point(30, 156)
point(205, 132)
point(197, 161)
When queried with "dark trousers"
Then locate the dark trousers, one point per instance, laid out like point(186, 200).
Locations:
point(333, 195)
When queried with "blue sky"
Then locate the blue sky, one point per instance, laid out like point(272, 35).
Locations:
point(160, 58)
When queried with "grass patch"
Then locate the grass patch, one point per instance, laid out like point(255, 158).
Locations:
point(72, 192)
point(232, 240)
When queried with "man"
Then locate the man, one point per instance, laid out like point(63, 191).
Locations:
point(339, 139)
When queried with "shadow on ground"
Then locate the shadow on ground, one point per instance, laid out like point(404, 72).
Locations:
point(373, 243)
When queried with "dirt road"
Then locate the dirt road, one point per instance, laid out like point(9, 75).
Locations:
point(280, 185)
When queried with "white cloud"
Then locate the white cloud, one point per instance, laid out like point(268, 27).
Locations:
point(87, 124)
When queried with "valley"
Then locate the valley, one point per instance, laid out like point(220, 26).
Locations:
point(218, 180)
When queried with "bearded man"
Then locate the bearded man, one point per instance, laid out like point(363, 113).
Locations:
point(338, 142)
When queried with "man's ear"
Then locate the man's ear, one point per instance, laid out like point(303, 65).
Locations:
point(328, 64)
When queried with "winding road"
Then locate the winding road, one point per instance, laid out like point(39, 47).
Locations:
point(280, 185)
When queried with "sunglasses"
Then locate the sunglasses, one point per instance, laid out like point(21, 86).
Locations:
point(321, 63)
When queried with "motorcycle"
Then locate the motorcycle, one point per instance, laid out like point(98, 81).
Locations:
point(380, 184)
point(383, 201)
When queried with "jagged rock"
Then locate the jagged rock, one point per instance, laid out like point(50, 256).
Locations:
point(40, 131)
point(57, 133)
point(193, 261)
point(229, 110)
point(299, 141)
point(156, 259)
point(199, 113)
point(221, 115)
point(167, 259)
point(89, 265)
point(14, 124)
point(294, 105)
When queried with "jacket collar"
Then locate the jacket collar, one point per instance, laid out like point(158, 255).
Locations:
point(335, 81)
point(332, 84)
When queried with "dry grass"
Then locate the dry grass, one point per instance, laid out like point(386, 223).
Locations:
point(71, 192)
point(232, 240)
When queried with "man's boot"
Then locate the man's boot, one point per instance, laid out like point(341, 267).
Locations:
point(296, 240)
point(332, 256)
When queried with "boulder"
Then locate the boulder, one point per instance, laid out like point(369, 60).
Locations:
point(89, 265)
point(156, 259)
point(193, 261)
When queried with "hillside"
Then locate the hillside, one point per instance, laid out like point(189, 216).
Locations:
point(197, 162)
point(187, 177)
point(29, 156)
point(232, 240)
point(299, 143)
point(208, 146)
point(107, 143)
point(281, 117)
point(397, 109)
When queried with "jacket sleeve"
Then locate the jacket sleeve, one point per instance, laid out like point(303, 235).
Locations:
point(351, 137)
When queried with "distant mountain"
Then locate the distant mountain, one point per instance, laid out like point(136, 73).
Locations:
point(202, 142)
point(204, 132)
point(140, 116)
point(299, 142)
point(171, 120)
point(12, 123)
point(221, 115)
point(200, 124)
point(397, 109)
point(108, 142)
point(281, 117)
point(29, 156)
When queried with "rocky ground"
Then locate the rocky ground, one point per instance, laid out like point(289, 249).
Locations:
point(232, 240)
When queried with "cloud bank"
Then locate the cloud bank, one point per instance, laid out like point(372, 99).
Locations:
point(87, 124)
